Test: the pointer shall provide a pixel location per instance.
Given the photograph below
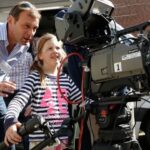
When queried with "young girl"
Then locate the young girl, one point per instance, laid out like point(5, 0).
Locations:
point(46, 99)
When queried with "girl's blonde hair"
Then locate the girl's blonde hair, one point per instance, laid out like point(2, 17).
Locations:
point(37, 63)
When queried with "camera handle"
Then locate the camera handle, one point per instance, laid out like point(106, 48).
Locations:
point(31, 125)
point(65, 130)
point(39, 123)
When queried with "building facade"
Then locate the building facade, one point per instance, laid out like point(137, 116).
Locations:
point(131, 12)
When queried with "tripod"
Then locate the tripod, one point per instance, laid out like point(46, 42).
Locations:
point(115, 131)
point(119, 138)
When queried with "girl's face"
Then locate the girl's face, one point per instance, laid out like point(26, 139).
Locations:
point(50, 54)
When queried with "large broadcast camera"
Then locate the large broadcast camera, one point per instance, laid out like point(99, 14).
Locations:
point(86, 24)
point(113, 64)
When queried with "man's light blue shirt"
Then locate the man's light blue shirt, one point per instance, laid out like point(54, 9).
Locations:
point(14, 66)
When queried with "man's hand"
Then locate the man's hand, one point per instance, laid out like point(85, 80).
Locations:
point(11, 135)
point(7, 87)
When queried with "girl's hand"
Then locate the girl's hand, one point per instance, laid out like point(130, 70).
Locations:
point(11, 135)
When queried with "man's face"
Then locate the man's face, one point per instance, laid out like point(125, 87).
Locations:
point(24, 28)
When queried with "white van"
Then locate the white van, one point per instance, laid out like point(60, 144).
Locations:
point(6, 5)
point(142, 126)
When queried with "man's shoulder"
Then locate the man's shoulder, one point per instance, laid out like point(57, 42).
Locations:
point(2, 31)
point(2, 26)
point(2, 23)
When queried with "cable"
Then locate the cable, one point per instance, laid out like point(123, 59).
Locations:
point(82, 92)
point(58, 75)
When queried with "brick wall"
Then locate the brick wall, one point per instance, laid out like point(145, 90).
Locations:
point(131, 12)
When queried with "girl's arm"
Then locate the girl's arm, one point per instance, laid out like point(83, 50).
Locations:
point(15, 107)
point(74, 91)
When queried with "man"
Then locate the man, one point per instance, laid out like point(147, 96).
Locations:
point(15, 60)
